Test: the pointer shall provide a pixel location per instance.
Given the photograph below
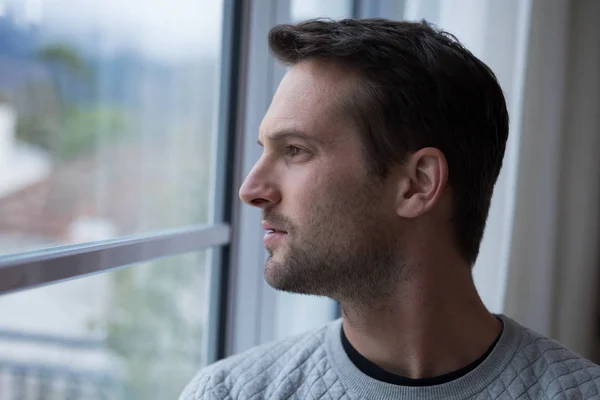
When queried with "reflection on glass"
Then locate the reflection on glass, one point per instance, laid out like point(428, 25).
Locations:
point(107, 115)
point(130, 334)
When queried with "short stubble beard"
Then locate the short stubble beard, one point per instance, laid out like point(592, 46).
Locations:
point(350, 258)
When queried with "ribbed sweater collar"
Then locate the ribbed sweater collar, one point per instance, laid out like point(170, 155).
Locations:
point(360, 384)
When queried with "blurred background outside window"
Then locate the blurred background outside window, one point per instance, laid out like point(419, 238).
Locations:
point(108, 113)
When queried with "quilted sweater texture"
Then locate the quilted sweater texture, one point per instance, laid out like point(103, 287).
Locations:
point(523, 365)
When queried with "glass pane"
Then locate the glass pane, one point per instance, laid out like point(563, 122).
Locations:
point(107, 117)
point(132, 333)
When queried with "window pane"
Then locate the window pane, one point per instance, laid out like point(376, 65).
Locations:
point(107, 117)
point(132, 333)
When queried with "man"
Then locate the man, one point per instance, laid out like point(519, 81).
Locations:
point(381, 149)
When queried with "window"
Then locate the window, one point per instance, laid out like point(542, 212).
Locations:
point(107, 118)
point(131, 333)
point(113, 153)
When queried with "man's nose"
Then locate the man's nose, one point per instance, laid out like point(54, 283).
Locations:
point(258, 191)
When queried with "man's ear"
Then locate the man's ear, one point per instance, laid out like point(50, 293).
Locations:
point(424, 177)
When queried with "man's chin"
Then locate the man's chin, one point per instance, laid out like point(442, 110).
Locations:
point(274, 274)
point(278, 276)
point(281, 276)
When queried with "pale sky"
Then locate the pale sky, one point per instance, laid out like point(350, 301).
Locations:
point(158, 28)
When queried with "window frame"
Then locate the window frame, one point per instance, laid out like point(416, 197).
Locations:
point(29, 270)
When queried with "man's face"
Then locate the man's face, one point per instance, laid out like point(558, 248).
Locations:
point(331, 226)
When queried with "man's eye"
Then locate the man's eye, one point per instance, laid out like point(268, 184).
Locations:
point(294, 151)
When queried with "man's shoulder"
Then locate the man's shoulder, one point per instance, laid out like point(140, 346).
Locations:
point(260, 369)
point(545, 366)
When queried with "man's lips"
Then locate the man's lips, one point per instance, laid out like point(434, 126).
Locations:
point(273, 236)
point(271, 228)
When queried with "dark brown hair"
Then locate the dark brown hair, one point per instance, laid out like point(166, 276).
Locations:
point(419, 87)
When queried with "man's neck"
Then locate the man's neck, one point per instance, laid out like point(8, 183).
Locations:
point(433, 326)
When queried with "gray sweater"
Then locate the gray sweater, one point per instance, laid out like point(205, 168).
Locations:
point(522, 365)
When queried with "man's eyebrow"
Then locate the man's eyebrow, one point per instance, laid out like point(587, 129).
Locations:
point(290, 133)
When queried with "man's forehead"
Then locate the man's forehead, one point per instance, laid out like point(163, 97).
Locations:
point(316, 80)
point(307, 100)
